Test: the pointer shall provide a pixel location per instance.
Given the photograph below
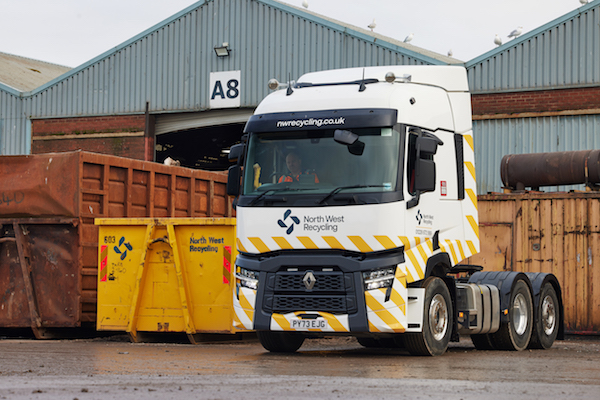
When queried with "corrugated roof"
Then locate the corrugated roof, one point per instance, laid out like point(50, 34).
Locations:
point(562, 53)
point(409, 48)
point(362, 34)
point(25, 74)
point(511, 44)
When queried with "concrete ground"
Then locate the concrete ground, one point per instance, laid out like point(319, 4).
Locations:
point(329, 368)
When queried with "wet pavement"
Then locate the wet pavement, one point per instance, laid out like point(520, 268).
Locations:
point(106, 368)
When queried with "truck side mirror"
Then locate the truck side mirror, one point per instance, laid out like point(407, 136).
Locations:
point(425, 167)
point(236, 153)
point(233, 180)
point(427, 146)
point(425, 175)
point(424, 170)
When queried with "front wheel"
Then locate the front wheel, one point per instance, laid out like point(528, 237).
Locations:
point(280, 342)
point(545, 328)
point(515, 334)
point(437, 321)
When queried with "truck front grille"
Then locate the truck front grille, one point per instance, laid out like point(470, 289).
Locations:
point(333, 291)
point(293, 282)
point(331, 304)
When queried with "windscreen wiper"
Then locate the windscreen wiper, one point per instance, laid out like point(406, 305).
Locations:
point(263, 194)
point(275, 190)
point(340, 188)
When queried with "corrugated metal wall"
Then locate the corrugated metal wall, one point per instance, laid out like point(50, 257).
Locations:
point(562, 53)
point(13, 124)
point(495, 138)
point(169, 65)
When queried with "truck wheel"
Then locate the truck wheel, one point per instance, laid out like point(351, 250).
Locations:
point(482, 342)
point(545, 328)
point(515, 334)
point(280, 342)
point(437, 321)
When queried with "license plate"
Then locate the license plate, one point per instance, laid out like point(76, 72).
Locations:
point(308, 323)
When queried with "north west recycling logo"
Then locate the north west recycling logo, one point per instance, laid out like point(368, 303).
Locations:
point(419, 217)
point(127, 246)
point(288, 224)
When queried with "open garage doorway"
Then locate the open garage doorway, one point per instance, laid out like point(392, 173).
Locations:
point(199, 148)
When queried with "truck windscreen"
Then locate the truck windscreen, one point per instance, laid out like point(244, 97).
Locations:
point(312, 162)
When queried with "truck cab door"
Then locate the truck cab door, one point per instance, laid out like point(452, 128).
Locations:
point(421, 184)
point(433, 205)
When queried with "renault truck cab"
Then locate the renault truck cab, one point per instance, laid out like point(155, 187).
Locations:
point(356, 202)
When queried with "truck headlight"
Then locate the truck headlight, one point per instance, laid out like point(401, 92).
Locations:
point(246, 278)
point(379, 278)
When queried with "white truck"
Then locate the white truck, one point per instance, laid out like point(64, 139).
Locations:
point(356, 203)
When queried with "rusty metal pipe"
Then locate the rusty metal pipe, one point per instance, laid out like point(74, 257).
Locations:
point(519, 171)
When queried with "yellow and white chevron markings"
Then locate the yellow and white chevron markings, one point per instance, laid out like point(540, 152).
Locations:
point(417, 250)
point(469, 205)
point(363, 244)
point(335, 323)
point(388, 316)
point(243, 308)
point(356, 243)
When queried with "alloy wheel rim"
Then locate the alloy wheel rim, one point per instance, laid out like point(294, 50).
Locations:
point(438, 317)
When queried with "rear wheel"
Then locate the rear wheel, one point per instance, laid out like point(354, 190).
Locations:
point(437, 321)
point(280, 342)
point(545, 328)
point(515, 334)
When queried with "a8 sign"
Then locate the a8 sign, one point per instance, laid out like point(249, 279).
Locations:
point(225, 89)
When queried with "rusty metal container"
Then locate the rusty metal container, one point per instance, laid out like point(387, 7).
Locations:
point(48, 240)
point(536, 170)
point(547, 232)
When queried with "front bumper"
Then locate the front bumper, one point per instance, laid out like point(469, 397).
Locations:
point(337, 296)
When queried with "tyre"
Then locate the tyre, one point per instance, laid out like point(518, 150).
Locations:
point(482, 342)
point(545, 327)
point(437, 321)
point(280, 342)
point(515, 334)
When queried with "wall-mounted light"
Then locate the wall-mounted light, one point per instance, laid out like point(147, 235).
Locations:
point(223, 50)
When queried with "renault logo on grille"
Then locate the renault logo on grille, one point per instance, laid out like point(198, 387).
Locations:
point(309, 280)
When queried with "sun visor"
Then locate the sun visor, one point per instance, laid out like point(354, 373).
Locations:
point(323, 119)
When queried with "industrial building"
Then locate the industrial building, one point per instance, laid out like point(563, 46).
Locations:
point(537, 93)
point(185, 87)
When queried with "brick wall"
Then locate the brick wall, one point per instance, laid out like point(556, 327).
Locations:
point(115, 135)
point(87, 125)
point(130, 147)
point(536, 101)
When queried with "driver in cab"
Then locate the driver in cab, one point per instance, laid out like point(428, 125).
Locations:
point(294, 165)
